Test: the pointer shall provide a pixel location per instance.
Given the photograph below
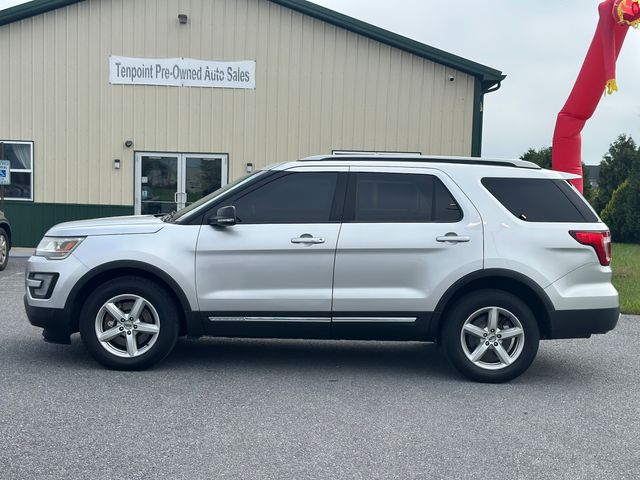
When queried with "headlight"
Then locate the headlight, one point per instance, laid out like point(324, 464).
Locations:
point(57, 248)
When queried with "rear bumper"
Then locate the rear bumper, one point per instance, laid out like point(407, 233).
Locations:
point(54, 321)
point(582, 323)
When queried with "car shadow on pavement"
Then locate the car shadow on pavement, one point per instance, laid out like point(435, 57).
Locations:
point(310, 355)
point(384, 358)
point(287, 356)
point(424, 360)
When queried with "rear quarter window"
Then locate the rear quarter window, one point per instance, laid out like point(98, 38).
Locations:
point(540, 200)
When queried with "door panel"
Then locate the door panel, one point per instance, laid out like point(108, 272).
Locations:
point(402, 266)
point(257, 268)
point(279, 257)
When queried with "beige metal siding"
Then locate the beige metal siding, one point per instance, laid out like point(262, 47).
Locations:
point(319, 88)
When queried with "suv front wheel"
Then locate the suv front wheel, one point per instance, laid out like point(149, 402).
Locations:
point(491, 336)
point(129, 323)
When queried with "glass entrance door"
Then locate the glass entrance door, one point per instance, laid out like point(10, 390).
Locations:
point(203, 174)
point(166, 182)
point(158, 184)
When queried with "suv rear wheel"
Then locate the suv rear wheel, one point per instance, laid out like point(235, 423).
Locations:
point(491, 336)
point(129, 323)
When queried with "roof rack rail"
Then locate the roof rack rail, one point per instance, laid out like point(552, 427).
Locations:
point(348, 153)
point(495, 162)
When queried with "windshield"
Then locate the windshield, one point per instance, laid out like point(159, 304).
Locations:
point(195, 205)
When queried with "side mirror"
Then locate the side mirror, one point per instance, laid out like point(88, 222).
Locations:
point(225, 217)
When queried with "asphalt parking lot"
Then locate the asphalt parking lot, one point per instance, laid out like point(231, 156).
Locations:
point(221, 408)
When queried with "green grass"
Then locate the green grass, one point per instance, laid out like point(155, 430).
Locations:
point(626, 276)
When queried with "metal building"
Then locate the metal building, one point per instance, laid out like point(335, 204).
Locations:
point(111, 107)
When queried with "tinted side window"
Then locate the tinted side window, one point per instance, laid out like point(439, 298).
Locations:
point(578, 201)
point(291, 198)
point(446, 209)
point(400, 198)
point(539, 199)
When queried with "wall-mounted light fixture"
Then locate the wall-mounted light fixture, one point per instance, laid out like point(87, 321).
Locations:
point(183, 19)
point(249, 167)
point(116, 164)
point(128, 143)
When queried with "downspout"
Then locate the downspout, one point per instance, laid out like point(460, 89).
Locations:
point(479, 92)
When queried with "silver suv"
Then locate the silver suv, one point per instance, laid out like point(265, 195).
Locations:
point(484, 257)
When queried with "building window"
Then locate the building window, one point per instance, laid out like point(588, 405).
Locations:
point(20, 155)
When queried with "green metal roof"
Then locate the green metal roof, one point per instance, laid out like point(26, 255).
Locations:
point(489, 77)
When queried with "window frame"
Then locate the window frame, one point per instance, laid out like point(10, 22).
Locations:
point(23, 170)
point(350, 198)
point(337, 206)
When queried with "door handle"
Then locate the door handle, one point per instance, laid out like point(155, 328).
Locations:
point(453, 238)
point(180, 197)
point(307, 239)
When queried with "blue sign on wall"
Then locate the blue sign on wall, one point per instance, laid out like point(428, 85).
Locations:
point(5, 172)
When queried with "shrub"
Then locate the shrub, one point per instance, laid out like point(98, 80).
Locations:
point(622, 213)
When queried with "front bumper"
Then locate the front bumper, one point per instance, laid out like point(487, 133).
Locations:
point(582, 323)
point(55, 322)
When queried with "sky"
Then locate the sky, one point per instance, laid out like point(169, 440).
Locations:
point(540, 46)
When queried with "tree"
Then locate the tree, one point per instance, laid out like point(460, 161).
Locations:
point(615, 168)
point(542, 158)
point(622, 213)
point(587, 190)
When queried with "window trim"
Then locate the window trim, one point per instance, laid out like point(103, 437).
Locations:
point(337, 206)
point(350, 204)
point(23, 170)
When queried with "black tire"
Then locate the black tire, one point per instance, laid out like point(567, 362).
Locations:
point(4, 256)
point(521, 350)
point(161, 305)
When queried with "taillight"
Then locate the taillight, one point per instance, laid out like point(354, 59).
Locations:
point(600, 241)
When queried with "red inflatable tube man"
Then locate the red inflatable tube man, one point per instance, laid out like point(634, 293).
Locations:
point(598, 74)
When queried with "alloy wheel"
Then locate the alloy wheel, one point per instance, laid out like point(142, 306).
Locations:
point(127, 325)
point(492, 338)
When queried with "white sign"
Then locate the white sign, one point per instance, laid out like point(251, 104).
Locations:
point(182, 72)
point(5, 172)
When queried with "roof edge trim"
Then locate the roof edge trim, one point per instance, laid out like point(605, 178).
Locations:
point(31, 9)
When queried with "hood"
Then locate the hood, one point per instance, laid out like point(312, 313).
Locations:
point(130, 225)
